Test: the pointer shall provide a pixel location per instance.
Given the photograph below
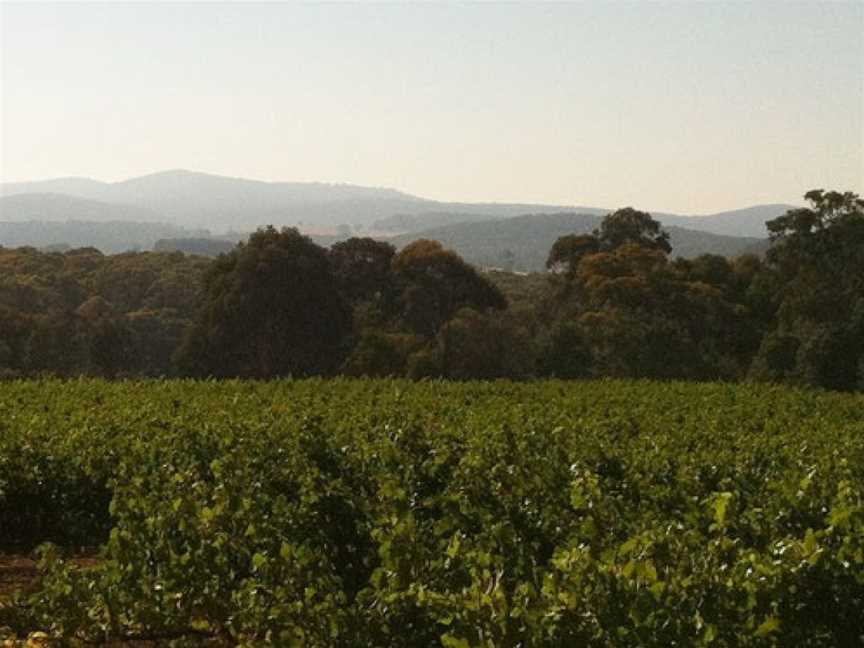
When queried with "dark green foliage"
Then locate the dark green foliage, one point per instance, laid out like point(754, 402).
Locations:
point(568, 250)
point(776, 357)
point(379, 354)
point(615, 304)
point(799, 317)
point(112, 349)
point(817, 254)
point(629, 312)
point(565, 353)
point(83, 313)
point(482, 346)
point(271, 308)
point(434, 283)
point(361, 267)
point(629, 225)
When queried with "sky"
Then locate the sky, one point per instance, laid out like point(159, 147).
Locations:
point(689, 107)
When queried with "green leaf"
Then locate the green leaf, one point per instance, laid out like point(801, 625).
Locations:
point(771, 624)
point(451, 641)
point(259, 560)
point(721, 506)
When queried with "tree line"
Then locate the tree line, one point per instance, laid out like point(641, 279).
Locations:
point(612, 304)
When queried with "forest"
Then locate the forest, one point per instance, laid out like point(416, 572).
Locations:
point(612, 304)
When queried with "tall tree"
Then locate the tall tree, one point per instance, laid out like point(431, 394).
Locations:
point(568, 250)
point(271, 308)
point(817, 260)
point(434, 283)
point(361, 267)
point(629, 225)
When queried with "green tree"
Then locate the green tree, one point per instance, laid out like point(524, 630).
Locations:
point(564, 353)
point(361, 267)
point(271, 308)
point(483, 346)
point(568, 250)
point(630, 225)
point(14, 335)
point(433, 283)
point(379, 354)
point(630, 312)
point(816, 262)
point(111, 347)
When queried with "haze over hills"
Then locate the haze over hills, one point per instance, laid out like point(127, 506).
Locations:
point(749, 221)
point(199, 205)
point(63, 207)
point(191, 199)
point(110, 237)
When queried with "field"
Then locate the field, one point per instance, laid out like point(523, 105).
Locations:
point(390, 513)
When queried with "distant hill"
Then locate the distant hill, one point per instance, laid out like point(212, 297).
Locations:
point(201, 246)
point(194, 200)
point(523, 243)
point(109, 237)
point(749, 222)
point(405, 223)
point(61, 207)
point(78, 187)
point(740, 222)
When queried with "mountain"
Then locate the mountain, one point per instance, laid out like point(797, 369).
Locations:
point(749, 222)
point(522, 243)
point(193, 200)
point(200, 199)
point(201, 246)
point(62, 207)
point(405, 223)
point(77, 187)
point(109, 237)
point(739, 222)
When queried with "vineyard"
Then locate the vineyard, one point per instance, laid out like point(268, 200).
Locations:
point(390, 513)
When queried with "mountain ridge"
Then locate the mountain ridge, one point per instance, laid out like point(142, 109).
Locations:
point(194, 199)
point(58, 207)
point(523, 242)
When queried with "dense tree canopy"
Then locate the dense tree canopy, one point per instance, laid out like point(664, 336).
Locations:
point(817, 260)
point(629, 225)
point(361, 267)
point(434, 283)
point(624, 309)
point(613, 304)
point(82, 312)
point(568, 250)
point(271, 308)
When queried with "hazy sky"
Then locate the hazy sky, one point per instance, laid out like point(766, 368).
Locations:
point(686, 107)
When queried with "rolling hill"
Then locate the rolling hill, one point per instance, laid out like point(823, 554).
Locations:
point(193, 200)
point(522, 243)
point(26, 207)
point(109, 237)
point(749, 221)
